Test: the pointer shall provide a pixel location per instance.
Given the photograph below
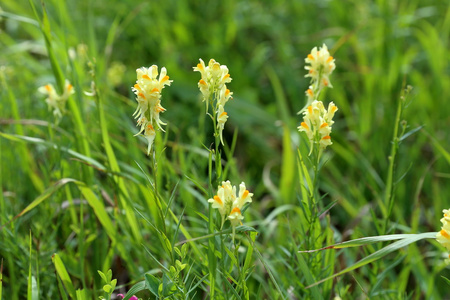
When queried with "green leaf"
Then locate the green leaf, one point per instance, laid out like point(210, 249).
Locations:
point(103, 276)
point(231, 288)
point(99, 210)
point(140, 286)
point(38, 141)
point(47, 193)
point(113, 284)
point(447, 281)
point(107, 288)
point(109, 276)
point(266, 266)
point(373, 239)
point(62, 273)
point(287, 171)
point(244, 228)
point(81, 295)
point(168, 286)
point(411, 238)
point(152, 283)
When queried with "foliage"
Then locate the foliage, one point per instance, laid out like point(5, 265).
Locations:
point(94, 201)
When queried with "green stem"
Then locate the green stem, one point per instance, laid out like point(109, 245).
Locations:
point(388, 199)
point(155, 187)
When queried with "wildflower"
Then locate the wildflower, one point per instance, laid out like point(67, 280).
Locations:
point(321, 65)
point(212, 85)
point(443, 236)
point(55, 101)
point(317, 122)
point(229, 205)
point(222, 117)
point(214, 78)
point(148, 89)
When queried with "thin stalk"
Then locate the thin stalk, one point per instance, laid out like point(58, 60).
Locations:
point(388, 198)
point(155, 187)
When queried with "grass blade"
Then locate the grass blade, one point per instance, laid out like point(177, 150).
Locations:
point(374, 239)
point(62, 273)
point(140, 286)
point(381, 253)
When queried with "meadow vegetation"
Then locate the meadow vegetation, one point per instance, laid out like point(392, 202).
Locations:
point(89, 210)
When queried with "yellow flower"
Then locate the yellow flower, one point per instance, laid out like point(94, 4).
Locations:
point(229, 205)
point(148, 89)
point(214, 78)
point(443, 236)
point(317, 122)
point(321, 65)
point(149, 135)
point(222, 117)
point(55, 101)
point(212, 85)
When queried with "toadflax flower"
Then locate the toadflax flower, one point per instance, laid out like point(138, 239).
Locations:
point(443, 236)
point(229, 205)
point(148, 89)
point(213, 87)
point(321, 65)
point(55, 101)
point(317, 122)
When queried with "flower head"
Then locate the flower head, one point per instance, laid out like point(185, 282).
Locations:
point(321, 65)
point(212, 85)
point(229, 204)
point(55, 101)
point(148, 90)
point(214, 77)
point(443, 236)
point(317, 122)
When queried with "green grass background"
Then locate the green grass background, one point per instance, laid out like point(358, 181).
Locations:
point(379, 46)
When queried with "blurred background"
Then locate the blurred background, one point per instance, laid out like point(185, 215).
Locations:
point(379, 46)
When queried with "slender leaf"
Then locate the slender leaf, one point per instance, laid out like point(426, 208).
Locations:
point(374, 239)
point(140, 286)
point(381, 253)
point(63, 275)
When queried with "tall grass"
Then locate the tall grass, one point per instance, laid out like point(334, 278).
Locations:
point(91, 199)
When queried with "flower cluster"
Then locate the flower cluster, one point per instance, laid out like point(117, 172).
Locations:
point(321, 65)
point(213, 87)
point(148, 89)
point(443, 236)
point(55, 101)
point(317, 122)
point(229, 205)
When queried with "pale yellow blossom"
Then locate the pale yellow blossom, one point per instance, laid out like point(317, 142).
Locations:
point(443, 236)
point(321, 65)
point(54, 100)
point(148, 90)
point(222, 117)
point(317, 122)
point(212, 85)
point(229, 205)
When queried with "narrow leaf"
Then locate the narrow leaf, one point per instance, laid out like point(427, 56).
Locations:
point(381, 253)
point(140, 286)
point(152, 283)
point(373, 239)
point(62, 273)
